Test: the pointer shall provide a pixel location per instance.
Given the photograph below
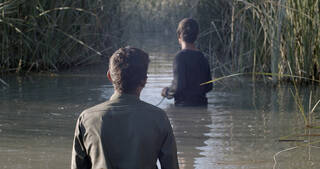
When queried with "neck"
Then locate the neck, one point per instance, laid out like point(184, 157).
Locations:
point(136, 93)
point(185, 45)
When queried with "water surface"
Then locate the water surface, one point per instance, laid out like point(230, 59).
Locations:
point(240, 128)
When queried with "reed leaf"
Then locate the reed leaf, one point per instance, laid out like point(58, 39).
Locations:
point(80, 42)
point(4, 83)
point(262, 36)
point(260, 73)
point(48, 35)
point(67, 8)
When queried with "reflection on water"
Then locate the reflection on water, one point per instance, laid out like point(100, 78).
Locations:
point(239, 129)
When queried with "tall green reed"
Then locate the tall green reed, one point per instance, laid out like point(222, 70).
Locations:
point(273, 38)
point(261, 36)
point(49, 35)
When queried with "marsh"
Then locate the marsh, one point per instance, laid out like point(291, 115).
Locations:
point(240, 128)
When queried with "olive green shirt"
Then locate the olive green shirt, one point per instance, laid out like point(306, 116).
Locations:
point(123, 133)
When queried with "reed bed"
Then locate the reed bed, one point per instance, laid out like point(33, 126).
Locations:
point(156, 16)
point(261, 36)
point(39, 35)
point(237, 35)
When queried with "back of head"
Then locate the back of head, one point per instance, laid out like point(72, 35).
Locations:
point(128, 69)
point(188, 30)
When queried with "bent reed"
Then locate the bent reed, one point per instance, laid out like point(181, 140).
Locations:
point(40, 35)
point(237, 36)
point(262, 36)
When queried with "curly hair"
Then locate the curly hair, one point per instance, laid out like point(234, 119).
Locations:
point(128, 69)
point(188, 30)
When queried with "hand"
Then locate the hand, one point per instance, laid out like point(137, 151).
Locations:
point(164, 92)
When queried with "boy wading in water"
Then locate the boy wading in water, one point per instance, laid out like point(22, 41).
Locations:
point(190, 69)
point(124, 132)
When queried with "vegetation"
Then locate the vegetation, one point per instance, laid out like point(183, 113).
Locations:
point(39, 35)
point(156, 16)
point(262, 36)
point(237, 36)
point(48, 35)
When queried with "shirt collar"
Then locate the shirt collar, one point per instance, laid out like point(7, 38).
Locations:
point(117, 95)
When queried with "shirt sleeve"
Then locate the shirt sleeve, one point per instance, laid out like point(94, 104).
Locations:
point(179, 77)
point(79, 159)
point(168, 153)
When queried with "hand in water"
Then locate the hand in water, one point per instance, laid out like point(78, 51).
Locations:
point(164, 93)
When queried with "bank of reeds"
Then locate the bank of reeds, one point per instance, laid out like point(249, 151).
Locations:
point(156, 16)
point(49, 35)
point(262, 36)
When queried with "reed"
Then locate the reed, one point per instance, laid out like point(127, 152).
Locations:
point(262, 36)
point(44, 35)
point(237, 36)
point(3, 83)
point(156, 16)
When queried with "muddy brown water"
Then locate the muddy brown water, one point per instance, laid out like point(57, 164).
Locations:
point(240, 128)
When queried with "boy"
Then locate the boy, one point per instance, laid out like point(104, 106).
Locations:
point(190, 69)
point(124, 132)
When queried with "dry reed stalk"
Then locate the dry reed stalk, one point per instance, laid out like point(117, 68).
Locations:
point(264, 35)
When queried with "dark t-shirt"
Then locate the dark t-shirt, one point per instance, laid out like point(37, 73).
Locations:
point(190, 69)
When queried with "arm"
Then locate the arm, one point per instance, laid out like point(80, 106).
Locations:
point(179, 78)
point(168, 153)
point(79, 159)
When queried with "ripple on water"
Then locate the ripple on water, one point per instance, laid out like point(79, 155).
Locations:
point(239, 129)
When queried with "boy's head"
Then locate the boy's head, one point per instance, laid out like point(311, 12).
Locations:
point(128, 69)
point(188, 30)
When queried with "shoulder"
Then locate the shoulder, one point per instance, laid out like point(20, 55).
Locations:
point(153, 109)
point(200, 55)
point(159, 118)
point(188, 52)
point(94, 112)
point(155, 112)
point(182, 55)
point(179, 55)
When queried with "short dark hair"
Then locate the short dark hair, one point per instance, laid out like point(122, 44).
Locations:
point(188, 30)
point(128, 69)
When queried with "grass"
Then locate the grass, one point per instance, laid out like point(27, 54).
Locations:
point(237, 36)
point(269, 38)
point(3, 83)
point(42, 35)
point(49, 35)
point(261, 36)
